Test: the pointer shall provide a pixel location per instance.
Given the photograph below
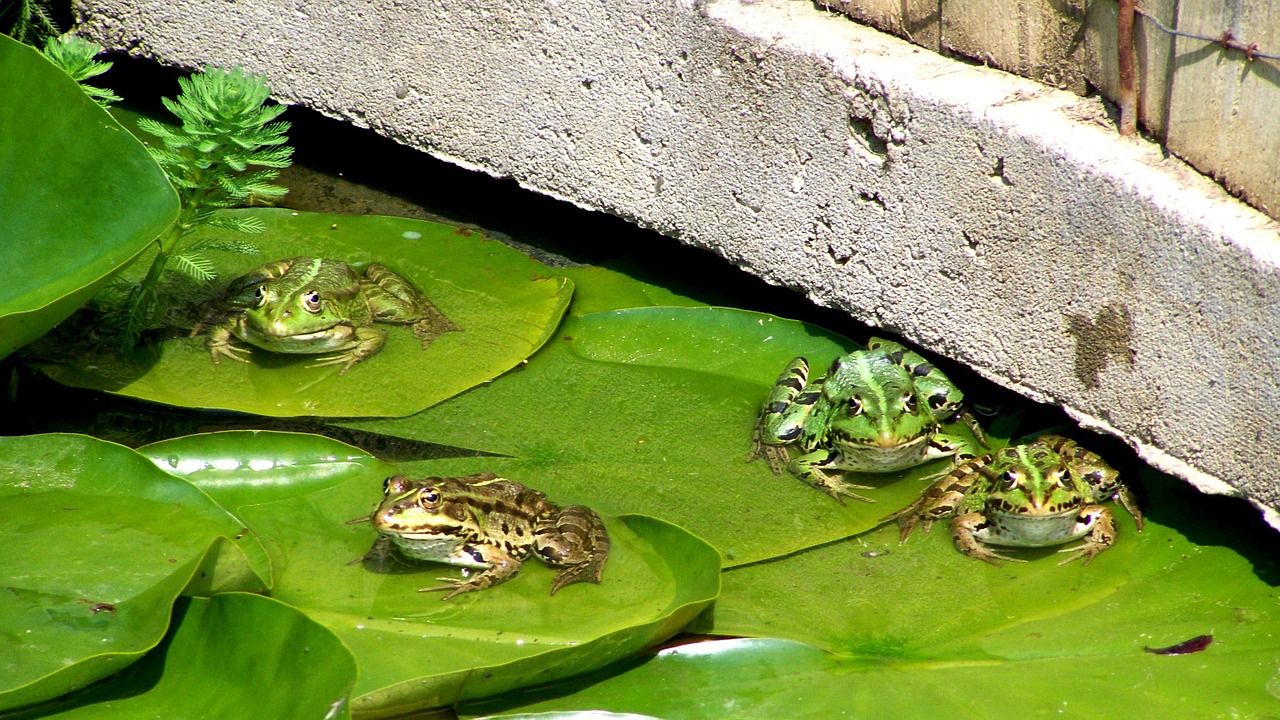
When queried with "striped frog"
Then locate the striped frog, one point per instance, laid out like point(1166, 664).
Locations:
point(1037, 494)
point(486, 523)
point(876, 410)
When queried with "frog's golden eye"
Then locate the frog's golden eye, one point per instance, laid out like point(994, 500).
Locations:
point(855, 406)
point(909, 404)
point(429, 499)
point(261, 296)
point(311, 301)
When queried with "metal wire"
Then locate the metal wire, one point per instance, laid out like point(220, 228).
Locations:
point(1227, 40)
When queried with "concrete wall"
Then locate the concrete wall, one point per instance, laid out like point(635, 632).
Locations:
point(983, 216)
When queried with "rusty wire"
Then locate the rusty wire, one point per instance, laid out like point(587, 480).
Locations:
point(1227, 39)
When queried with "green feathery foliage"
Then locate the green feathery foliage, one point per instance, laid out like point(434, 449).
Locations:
point(28, 21)
point(227, 150)
point(76, 57)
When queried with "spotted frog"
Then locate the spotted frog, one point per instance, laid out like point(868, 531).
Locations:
point(487, 523)
point(311, 306)
point(1037, 494)
point(875, 410)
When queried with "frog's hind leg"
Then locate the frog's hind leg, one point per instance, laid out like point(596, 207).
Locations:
point(783, 416)
point(392, 299)
point(577, 542)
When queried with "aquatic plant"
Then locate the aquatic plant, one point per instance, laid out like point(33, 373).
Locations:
point(76, 57)
point(225, 153)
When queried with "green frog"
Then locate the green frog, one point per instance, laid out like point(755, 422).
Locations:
point(311, 306)
point(1037, 494)
point(487, 523)
point(875, 410)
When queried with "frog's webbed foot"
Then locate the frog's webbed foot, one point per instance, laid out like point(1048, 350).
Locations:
point(368, 342)
point(495, 575)
point(776, 455)
point(811, 468)
point(432, 325)
point(1102, 534)
point(963, 528)
point(221, 345)
point(578, 543)
point(909, 518)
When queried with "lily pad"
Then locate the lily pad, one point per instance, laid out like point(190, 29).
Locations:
point(415, 651)
point(231, 656)
point(767, 678)
point(80, 196)
point(651, 411)
point(506, 304)
point(97, 544)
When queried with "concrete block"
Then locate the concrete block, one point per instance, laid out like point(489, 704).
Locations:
point(985, 217)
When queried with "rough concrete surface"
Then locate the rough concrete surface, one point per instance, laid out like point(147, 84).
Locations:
point(985, 217)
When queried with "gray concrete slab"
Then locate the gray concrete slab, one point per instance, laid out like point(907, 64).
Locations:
point(982, 216)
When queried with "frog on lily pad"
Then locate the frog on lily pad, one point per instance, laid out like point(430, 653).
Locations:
point(876, 410)
point(1040, 493)
point(488, 524)
point(313, 306)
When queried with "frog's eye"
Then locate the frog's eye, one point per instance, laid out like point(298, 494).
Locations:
point(855, 406)
point(1008, 479)
point(429, 499)
point(909, 404)
point(260, 295)
point(311, 301)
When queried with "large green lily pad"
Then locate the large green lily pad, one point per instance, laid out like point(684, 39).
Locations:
point(918, 629)
point(96, 544)
point(651, 410)
point(763, 679)
point(413, 649)
point(80, 197)
point(231, 656)
point(506, 304)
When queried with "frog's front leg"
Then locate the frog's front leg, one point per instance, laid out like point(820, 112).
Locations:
point(578, 542)
point(365, 343)
point(812, 468)
point(501, 566)
point(965, 529)
point(783, 416)
point(939, 501)
point(382, 551)
point(220, 344)
point(395, 300)
point(1098, 526)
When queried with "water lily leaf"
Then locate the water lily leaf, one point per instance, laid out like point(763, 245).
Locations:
point(96, 544)
point(1154, 588)
point(233, 655)
point(752, 679)
point(80, 197)
point(924, 613)
point(506, 304)
point(651, 411)
point(415, 651)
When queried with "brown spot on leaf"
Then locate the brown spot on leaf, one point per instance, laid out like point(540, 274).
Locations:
point(1108, 334)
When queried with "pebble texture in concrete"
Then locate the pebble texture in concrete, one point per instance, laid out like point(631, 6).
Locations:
point(983, 216)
